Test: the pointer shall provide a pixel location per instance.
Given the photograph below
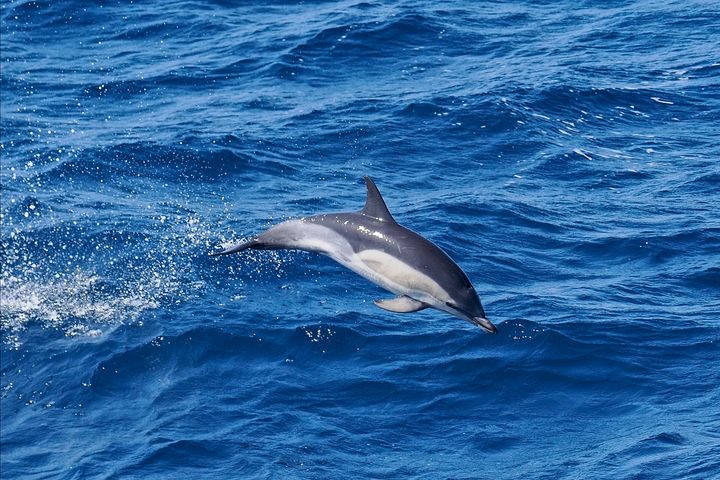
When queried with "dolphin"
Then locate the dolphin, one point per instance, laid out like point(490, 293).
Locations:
point(372, 244)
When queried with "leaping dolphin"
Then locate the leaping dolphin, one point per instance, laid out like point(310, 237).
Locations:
point(372, 244)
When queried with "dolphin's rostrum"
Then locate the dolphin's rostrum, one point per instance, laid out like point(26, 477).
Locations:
point(372, 244)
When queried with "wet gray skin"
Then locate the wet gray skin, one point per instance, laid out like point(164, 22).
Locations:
point(374, 245)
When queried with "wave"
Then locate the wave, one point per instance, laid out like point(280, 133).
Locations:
point(371, 39)
point(213, 163)
point(86, 278)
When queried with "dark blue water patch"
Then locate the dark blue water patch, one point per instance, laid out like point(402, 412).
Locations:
point(164, 457)
point(599, 107)
point(621, 179)
point(25, 12)
point(38, 386)
point(152, 88)
point(710, 71)
point(654, 249)
point(162, 357)
point(175, 164)
point(119, 90)
point(702, 183)
point(705, 278)
point(369, 41)
point(476, 112)
point(239, 68)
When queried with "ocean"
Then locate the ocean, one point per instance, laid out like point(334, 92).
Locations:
point(564, 154)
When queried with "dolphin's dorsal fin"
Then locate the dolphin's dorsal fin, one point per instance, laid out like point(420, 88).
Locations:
point(374, 204)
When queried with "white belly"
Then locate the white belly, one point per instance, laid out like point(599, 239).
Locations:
point(395, 276)
point(383, 269)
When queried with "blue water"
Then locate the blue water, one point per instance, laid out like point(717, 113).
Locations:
point(565, 154)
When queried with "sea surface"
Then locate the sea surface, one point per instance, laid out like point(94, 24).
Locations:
point(566, 154)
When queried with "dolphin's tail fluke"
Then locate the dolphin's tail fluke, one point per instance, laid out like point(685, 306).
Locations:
point(254, 243)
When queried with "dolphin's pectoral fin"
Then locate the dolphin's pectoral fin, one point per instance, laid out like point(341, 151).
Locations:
point(403, 304)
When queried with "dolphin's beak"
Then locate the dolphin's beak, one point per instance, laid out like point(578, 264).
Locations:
point(485, 324)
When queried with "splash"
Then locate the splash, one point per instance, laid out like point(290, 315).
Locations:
point(86, 292)
point(78, 304)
